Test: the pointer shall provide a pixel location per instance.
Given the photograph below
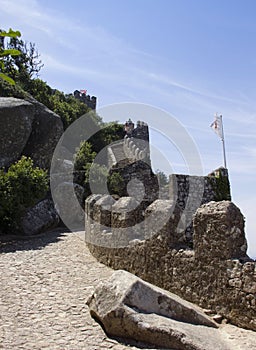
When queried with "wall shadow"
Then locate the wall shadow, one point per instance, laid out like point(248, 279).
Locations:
point(13, 243)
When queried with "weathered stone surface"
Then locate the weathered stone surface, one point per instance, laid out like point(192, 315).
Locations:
point(69, 197)
point(129, 307)
point(47, 129)
point(103, 207)
point(216, 275)
point(40, 218)
point(45, 282)
point(126, 218)
point(219, 231)
point(162, 218)
point(140, 182)
point(27, 128)
point(16, 117)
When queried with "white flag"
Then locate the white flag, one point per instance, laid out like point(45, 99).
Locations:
point(217, 126)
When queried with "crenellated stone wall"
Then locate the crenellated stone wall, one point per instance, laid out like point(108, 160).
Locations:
point(136, 143)
point(216, 274)
point(139, 180)
point(191, 243)
point(87, 99)
point(190, 192)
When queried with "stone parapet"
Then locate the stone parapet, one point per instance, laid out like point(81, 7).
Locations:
point(217, 274)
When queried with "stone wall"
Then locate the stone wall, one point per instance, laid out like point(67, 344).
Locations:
point(217, 274)
point(87, 99)
point(190, 192)
point(136, 143)
point(139, 180)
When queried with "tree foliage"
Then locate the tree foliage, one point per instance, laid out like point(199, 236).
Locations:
point(95, 178)
point(162, 178)
point(85, 155)
point(67, 107)
point(7, 54)
point(20, 187)
point(25, 65)
point(21, 62)
point(116, 184)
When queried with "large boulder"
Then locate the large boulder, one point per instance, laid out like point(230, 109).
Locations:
point(69, 199)
point(129, 307)
point(27, 128)
point(16, 118)
point(47, 129)
point(40, 218)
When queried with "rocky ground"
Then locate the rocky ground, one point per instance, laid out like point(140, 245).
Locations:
point(45, 282)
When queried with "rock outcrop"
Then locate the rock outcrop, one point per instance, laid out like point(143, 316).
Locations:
point(40, 218)
point(129, 307)
point(69, 197)
point(27, 128)
point(47, 129)
point(16, 118)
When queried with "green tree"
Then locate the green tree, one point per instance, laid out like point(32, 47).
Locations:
point(84, 156)
point(7, 54)
point(162, 178)
point(95, 178)
point(40, 91)
point(23, 67)
point(116, 184)
point(67, 107)
point(108, 133)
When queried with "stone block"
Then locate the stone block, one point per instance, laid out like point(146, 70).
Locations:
point(126, 306)
point(127, 221)
point(162, 218)
point(219, 232)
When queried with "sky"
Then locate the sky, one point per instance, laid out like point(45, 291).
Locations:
point(191, 59)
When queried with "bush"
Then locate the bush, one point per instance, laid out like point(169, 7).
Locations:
point(95, 179)
point(116, 184)
point(21, 186)
point(8, 90)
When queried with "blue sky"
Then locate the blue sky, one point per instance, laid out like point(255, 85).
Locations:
point(189, 58)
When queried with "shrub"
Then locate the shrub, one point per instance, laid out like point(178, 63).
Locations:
point(8, 90)
point(116, 184)
point(95, 179)
point(21, 186)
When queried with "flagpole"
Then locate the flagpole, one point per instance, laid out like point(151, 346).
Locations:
point(223, 143)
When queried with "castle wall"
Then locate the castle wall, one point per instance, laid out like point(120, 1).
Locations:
point(216, 274)
point(136, 143)
point(87, 99)
point(190, 192)
point(139, 180)
point(153, 238)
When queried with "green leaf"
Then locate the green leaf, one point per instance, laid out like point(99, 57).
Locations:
point(6, 78)
point(11, 52)
point(11, 33)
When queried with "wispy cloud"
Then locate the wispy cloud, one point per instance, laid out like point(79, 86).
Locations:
point(107, 57)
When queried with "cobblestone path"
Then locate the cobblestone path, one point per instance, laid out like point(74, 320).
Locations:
point(45, 282)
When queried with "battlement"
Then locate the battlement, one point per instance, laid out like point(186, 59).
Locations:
point(191, 243)
point(134, 147)
point(87, 99)
point(148, 242)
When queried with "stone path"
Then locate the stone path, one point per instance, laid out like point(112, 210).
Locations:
point(45, 282)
